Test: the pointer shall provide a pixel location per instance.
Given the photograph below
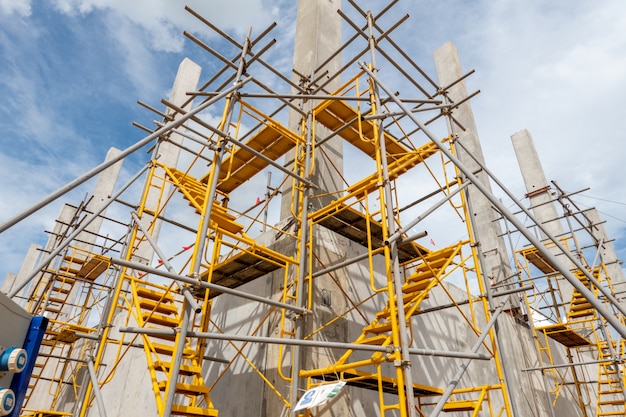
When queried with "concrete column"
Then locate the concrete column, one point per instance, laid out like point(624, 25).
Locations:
point(608, 255)
point(131, 379)
point(537, 187)
point(67, 217)
point(488, 231)
point(29, 262)
point(186, 80)
point(105, 186)
point(318, 36)
point(59, 230)
point(538, 191)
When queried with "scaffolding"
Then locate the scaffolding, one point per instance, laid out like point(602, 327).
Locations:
point(592, 349)
point(190, 297)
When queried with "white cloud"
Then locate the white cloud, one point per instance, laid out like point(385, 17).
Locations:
point(139, 62)
point(164, 20)
point(142, 29)
point(20, 7)
point(556, 69)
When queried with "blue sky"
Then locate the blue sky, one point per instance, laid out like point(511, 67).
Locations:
point(72, 70)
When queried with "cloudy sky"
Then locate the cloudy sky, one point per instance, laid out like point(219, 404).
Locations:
point(72, 70)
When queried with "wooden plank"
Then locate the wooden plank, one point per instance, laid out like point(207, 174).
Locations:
point(366, 380)
point(536, 258)
point(565, 335)
point(93, 268)
point(352, 224)
point(273, 141)
point(335, 114)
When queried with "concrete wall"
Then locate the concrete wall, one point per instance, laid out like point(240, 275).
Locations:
point(442, 330)
point(15, 322)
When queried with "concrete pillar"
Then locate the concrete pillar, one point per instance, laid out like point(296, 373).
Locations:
point(68, 216)
point(9, 282)
point(131, 381)
point(186, 80)
point(105, 186)
point(28, 264)
point(607, 254)
point(318, 36)
point(537, 187)
point(65, 218)
point(538, 191)
point(487, 231)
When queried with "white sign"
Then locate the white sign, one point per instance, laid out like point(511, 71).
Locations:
point(319, 395)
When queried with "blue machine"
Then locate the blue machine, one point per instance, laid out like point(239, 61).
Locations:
point(20, 338)
point(19, 384)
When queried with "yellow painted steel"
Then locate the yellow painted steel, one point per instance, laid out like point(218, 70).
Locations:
point(437, 265)
point(577, 327)
point(152, 305)
point(465, 400)
point(65, 293)
point(157, 307)
point(273, 140)
point(335, 114)
point(426, 276)
point(232, 258)
point(486, 308)
point(40, 413)
point(292, 282)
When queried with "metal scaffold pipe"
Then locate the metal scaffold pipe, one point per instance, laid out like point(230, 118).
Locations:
point(571, 365)
point(413, 237)
point(403, 366)
point(201, 241)
point(304, 229)
point(554, 240)
point(551, 258)
point(305, 343)
point(76, 232)
point(214, 287)
point(513, 291)
point(180, 342)
point(217, 163)
point(96, 387)
point(508, 396)
point(463, 368)
point(183, 289)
